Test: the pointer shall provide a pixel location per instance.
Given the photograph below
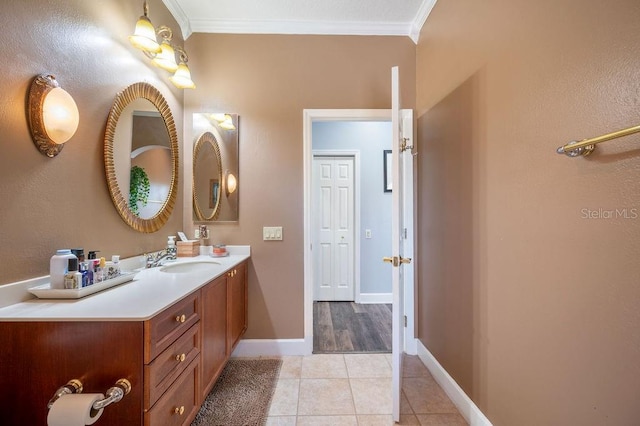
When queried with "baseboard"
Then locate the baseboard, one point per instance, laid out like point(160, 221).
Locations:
point(371, 298)
point(272, 347)
point(466, 406)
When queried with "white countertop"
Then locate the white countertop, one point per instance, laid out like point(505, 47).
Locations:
point(150, 292)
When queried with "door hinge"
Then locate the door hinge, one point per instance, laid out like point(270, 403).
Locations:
point(405, 233)
point(405, 321)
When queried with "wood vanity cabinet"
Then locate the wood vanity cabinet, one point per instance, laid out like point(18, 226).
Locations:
point(224, 321)
point(214, 332)
point(172, 360)
point(237, 303)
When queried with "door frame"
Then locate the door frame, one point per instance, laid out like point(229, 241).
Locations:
point(309, 117)
point(355, 154)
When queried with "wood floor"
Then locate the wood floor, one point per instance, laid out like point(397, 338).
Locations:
point(347, 327)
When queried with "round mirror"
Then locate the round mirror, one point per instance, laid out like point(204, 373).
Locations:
point(141, 157)
point(207, 177)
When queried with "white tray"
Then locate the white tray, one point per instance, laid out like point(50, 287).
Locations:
point(46, 292)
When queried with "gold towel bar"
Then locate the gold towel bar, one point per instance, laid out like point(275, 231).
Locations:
point(586, 146)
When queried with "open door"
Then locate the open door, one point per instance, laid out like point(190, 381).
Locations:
point(396, 259)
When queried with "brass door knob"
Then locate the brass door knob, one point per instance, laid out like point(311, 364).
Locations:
point(405, 260)
point(181, 357)
point(393, 260)
point(181, 318)
point(179, 410)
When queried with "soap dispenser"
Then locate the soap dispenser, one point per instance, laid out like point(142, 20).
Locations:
point(171, 246)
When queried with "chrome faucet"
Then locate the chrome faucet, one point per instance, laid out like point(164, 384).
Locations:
point(153, 261)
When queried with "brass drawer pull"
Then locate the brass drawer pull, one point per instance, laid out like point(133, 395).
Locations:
point(181, 318)
point(179, 411)
point(181, 357)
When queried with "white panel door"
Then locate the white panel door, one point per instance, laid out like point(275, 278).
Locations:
point(397, 245)
point(333, 219)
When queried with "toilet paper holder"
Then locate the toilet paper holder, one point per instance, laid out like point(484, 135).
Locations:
point(112, 395)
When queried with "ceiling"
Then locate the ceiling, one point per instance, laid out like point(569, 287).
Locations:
point(337, 17)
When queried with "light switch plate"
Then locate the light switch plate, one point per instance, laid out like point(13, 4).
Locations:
point(367, 233)
point(272, 233)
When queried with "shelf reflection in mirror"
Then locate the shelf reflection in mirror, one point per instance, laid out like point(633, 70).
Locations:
point(210, 181)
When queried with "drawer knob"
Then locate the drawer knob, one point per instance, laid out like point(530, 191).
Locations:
point(181, 318)
point(181, 357)
point(179, 410)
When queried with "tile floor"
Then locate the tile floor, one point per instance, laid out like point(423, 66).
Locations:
point(355, 389)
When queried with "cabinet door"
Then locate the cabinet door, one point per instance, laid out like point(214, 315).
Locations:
point(237, 294)
point(39, 357)
point(214, 332)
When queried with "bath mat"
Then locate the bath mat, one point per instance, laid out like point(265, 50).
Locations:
point(242, 394)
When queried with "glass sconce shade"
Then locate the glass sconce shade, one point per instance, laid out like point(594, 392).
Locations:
point(182, 78)
point(60, 115)
point(166, 59)
point(144, 36)
point(52, 113)
point(232, 183)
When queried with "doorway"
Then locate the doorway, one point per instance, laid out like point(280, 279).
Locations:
point(372, 261)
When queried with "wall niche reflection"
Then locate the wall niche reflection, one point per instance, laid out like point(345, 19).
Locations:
point(216, 168)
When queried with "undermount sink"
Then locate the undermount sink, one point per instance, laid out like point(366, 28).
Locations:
point(202, 266)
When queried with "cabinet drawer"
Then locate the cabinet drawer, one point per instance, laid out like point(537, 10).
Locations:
point(161, 373)
point(162, 330)
point(179, 405)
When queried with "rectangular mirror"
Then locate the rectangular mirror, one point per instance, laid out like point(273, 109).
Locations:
point(215, 167)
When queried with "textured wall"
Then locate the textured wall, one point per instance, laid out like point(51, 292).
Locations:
point(268, 81)
point(528, 267)
point(63, 202)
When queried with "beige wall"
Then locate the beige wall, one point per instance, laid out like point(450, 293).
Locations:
point(532, 308)
point(268, 80)
point(64, 202)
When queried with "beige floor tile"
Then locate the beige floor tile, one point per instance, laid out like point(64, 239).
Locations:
point(425, 396)
point(281, 421)
point(327, 420)
point(375, 420)
point(412, 366)
point(285, 398)
point(408, 419)
point(367, 365)
point(291, 367)
point(405, 407)
point(324, 367)
point(441, 420)
point(372, 396)
point(325, 397)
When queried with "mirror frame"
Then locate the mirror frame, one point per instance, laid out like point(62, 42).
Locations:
point(206, 137)
point(124, 98)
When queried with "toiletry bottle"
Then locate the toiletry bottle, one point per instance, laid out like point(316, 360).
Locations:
point(73, 278)
point(171, 246)
point(114, 270)
point(79, 253)
point(98, 274)
point(58, 267)
point(87, 275)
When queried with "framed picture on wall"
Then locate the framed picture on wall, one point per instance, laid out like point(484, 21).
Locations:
point(388, 179)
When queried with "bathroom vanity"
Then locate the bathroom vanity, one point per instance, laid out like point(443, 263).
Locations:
point(169, 332)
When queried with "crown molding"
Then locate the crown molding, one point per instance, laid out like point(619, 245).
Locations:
point(421, 17)
point(180, 17)
point(246, 26)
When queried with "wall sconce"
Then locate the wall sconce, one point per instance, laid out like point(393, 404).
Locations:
point(52, 113)
point(162, 55)
point(231, 183)
point(224, 121)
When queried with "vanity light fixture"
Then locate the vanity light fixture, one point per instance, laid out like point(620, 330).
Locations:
point(52, 113)
point(227, 124)
point(162, 55)
point(231, 183)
